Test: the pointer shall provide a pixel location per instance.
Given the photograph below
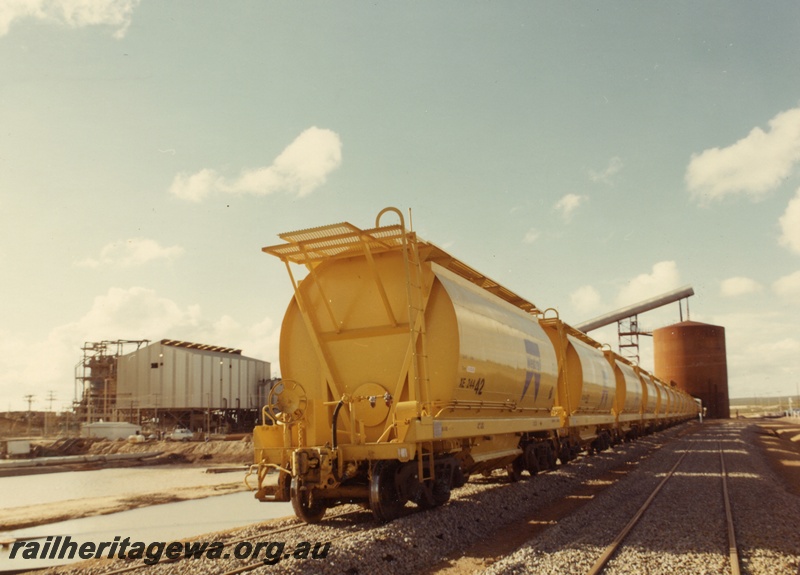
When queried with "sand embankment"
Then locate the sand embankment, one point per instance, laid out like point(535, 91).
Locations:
point(204, 452)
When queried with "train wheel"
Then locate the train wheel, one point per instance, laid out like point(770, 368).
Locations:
point(459, 478)
point(304, 505)
point(440, 493)
point(543, 454)
point(514, 470)
point(385, 500)
point(551, 457)
point(531, 459)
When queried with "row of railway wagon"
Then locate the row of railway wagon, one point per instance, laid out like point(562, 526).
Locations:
point(405, 371)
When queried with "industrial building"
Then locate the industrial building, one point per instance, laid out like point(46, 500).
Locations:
point(171, 383)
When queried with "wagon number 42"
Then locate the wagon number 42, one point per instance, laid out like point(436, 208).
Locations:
point(474, 384)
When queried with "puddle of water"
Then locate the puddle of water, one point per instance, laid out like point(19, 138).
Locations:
point(167, 522)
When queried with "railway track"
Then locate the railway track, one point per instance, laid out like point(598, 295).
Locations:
point(683, 531)
point(506, 540)
point(342, 531)
point(733, 554)
point(716, 509)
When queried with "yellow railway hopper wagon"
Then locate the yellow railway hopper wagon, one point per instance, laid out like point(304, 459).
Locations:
point(662, 412)
point(682, 406)
point(675, 406)
point(690, 407)
point(650, 401)
point(667, 405)
point(687, 407)
point(693, 408)
point(587, 390)
point(674, 412)
point(628, 401)
point(404, 371)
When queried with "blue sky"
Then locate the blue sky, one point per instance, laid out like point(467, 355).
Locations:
point(585, 155)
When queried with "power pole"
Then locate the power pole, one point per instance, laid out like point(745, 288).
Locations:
point(51, 396)
point(29, 399)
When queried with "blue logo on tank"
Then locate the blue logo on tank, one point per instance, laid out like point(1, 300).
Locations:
point(534, 370)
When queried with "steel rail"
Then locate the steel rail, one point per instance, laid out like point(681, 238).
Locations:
point(600, 564)
point(227, 544)
point(257, 564)
point(733, 552)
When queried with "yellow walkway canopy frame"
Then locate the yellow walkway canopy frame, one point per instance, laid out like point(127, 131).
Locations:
point(311, 246)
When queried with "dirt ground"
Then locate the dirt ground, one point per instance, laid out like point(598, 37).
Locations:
point(780, 440)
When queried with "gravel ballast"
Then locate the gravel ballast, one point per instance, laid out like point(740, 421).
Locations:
point(682, 533)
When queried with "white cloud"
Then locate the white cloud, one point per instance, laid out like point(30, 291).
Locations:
point(664, 277)
point(788, 287)
point(133, 313)
point(132, 252)
point(615, 165)
point(195, 187)
point(11, 10)
point(568, 204)
point(790, 224)
point(585, 299)
point(531, 236)
point(73, 13)
point(762, 349)
point(736, 286)
point(754, 165)
point(300, 169)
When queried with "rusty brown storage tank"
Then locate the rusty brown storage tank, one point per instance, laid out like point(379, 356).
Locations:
point(692, 355)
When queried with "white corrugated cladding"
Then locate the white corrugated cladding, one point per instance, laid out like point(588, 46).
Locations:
point(186, 376)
